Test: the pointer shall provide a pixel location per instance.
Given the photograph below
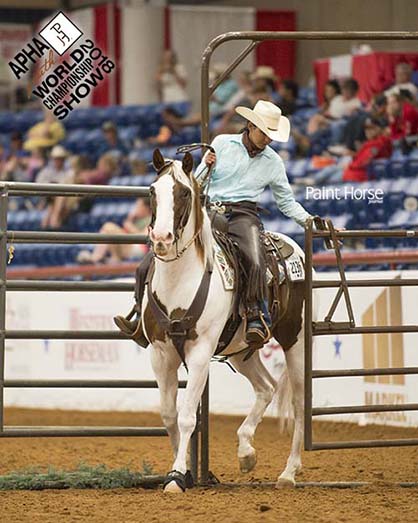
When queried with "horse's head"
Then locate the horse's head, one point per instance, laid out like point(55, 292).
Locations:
point(174, 199)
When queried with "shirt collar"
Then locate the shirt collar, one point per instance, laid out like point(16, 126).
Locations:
point(237, 138)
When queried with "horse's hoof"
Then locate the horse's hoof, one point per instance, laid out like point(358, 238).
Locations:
point(247, 463)
point(173, 488)
point(175, 482)
point(285, 483)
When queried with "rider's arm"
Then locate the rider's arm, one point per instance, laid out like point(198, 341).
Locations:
point(284, 197)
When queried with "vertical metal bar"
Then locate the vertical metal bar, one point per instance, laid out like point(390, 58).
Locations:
point(4, 202)
point(308, 335)
point(204, 435)
point(194, 449)
point(204, 410)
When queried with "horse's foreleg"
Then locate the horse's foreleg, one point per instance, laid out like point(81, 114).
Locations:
point(264, 386)
point(295, 369)
point(198, 365)
point(165, 368)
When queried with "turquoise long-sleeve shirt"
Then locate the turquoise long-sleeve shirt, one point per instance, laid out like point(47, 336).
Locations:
point(237, 177)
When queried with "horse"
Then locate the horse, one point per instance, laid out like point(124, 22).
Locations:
point(183, 247)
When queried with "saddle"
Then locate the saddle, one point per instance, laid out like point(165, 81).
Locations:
point(284, 281)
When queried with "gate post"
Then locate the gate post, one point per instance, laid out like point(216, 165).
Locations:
point(308, 335)
point(4, 202)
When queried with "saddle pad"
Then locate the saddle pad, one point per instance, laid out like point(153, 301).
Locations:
point(295, 268)
point(227, 273)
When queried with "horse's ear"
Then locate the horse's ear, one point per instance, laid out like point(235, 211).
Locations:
point(187, 163)
point(157, 160)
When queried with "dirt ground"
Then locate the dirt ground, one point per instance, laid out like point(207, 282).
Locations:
point(379, 502)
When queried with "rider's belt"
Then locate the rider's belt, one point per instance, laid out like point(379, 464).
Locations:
point(230, 207)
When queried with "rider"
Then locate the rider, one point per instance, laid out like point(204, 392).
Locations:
point(242, 166)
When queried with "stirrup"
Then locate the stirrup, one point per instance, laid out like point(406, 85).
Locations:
point(137, 335)
point(256, 337)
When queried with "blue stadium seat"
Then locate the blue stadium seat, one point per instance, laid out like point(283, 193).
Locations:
point(7, 121)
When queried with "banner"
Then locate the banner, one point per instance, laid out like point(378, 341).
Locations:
point(230, 393)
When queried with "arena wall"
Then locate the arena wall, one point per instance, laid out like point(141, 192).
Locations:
point(67, 359)
point(342, 15)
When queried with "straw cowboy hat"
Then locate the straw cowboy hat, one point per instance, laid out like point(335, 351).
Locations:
point(264, 71)
point(268, 118)
point(59, 152)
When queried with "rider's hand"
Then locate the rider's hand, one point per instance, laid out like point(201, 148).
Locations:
point(210, 159)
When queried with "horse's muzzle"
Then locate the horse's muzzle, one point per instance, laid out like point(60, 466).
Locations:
point(161, 248)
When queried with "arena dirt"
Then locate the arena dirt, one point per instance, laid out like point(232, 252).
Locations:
point(379, 502)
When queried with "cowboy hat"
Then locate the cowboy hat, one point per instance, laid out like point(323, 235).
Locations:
point(59, 152)
point(264, 71)
point(268, 118)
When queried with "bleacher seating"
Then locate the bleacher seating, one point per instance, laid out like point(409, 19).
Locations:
point(396, 176)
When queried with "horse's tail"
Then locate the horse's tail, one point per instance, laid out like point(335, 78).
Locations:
point(284, 402)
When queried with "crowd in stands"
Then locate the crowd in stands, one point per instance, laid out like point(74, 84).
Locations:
point(338, 141)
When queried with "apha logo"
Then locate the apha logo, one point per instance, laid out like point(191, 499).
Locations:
point(384, 350)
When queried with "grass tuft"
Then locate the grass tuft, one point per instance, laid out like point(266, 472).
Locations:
point(83, 477)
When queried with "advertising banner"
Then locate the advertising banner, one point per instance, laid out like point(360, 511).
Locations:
point(230, 393)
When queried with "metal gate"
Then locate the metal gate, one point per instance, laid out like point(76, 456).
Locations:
point(31, 189)
point(327, 326)
point(255, 38)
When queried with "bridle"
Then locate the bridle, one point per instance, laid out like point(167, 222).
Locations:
point(182, 222)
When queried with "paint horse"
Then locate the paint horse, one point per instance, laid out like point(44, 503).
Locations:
point(183, 246)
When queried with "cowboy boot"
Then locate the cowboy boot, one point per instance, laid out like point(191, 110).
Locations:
point(258, 331)
point(132, 328)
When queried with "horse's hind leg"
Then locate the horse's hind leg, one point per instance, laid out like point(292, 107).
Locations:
point(264, 387)
point(295, 387)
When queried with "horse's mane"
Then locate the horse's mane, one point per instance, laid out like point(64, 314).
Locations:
point(204, 240)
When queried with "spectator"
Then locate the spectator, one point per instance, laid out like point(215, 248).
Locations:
point(231, 122)
point(245, 87)
point(353, 133)
point(23, 168)
point(111, 143)
point(403, 117)
point(3, 158)
point(217, 106)
point(45, 134)
point(137, 166)
point(346, 103)
point(168, 129)
point(137, 222)
point(318, 120)
point(403, 80)
point(224, 92)
point(288, 91)
point(340, 106)
point(107, 166)
point(56, 171)
point(377, 145)
point(265, 79)
point(171, 79)
point(60, 207)
point(16, 145)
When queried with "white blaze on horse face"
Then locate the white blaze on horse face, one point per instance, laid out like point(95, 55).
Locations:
point(163, 230)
